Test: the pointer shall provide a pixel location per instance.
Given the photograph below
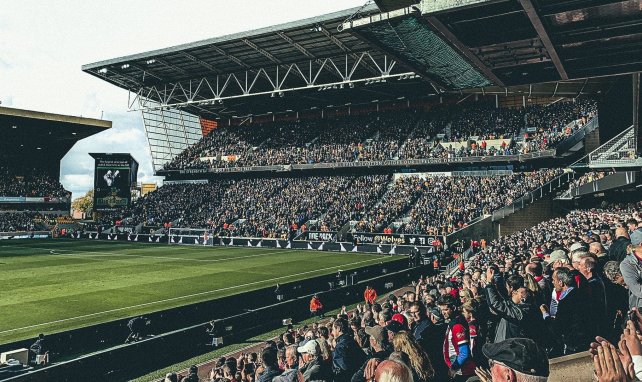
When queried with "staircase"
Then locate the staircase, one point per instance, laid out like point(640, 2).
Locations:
point(620, 151)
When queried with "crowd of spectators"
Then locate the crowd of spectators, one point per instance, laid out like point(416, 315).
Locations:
point(340, 139)
point(400, 134)
point(447, 204)
point(21, 221)
point(588, 178)
point(280, 207)
point(29, 182)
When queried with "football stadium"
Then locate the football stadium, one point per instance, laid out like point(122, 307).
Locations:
point(404, 191)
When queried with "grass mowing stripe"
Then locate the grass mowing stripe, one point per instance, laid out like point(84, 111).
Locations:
point(186, 296)
point(115, 254)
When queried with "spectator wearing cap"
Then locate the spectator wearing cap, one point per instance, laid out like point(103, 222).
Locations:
point(572, 323)
point(420, 363)
point(347, 357)
point(313, 368)
point(456, 349)
point(617, 250)
point(380, 349)
point(631, 269)
point(393, 328)
point(515, 360)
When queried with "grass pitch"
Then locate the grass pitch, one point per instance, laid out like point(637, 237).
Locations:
point(48, 286)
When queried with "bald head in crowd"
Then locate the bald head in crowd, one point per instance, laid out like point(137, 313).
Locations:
point(621, 231)
point(596, 248)
point(391, 371)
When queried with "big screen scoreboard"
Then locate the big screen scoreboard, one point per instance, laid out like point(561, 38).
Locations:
point(114, 175)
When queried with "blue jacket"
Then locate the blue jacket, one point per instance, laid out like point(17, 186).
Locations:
point(346, 359)
point(269, 373)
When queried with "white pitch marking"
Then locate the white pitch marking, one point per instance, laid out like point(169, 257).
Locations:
point(182, 297)
point(105, 254)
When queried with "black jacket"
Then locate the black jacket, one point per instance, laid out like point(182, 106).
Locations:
point(574, 323)
point(346, 359)
point(269, 373)
point(516, 320)
point(617, 250)
point(358, 375)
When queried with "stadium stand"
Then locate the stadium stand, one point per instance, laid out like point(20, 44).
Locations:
point(550, 289)
point(274, 207)
point(471, 130)
point(16, 181)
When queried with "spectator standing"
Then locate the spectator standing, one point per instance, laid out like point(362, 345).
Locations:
point(370, 295)
point(380, 347)
point(420, 321)
point(270, 365)
point(316, 307)
point(617, 250)
point(635, 231)
point(347, 357)
point(597, 294)
point(420, 363)
point(518, 316)
point(631, 269)
point(291, 373)
point(456, 347)
point(572, 322)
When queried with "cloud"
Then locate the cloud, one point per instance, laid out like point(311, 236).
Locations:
point(40, 67)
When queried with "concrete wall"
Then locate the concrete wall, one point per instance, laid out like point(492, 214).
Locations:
point(571, 368)
point(539, 211)
point(592, 141)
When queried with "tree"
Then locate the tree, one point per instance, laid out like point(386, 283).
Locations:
point(84, 203)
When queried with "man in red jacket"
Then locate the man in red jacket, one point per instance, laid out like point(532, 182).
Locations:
point(316, 307)
point(370, 295)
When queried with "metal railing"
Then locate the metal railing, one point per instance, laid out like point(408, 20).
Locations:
point(450, 268)
point(380, 163)
point(578, 136)
point(618, 150)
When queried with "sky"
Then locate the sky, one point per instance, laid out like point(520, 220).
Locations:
point(45, 43)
